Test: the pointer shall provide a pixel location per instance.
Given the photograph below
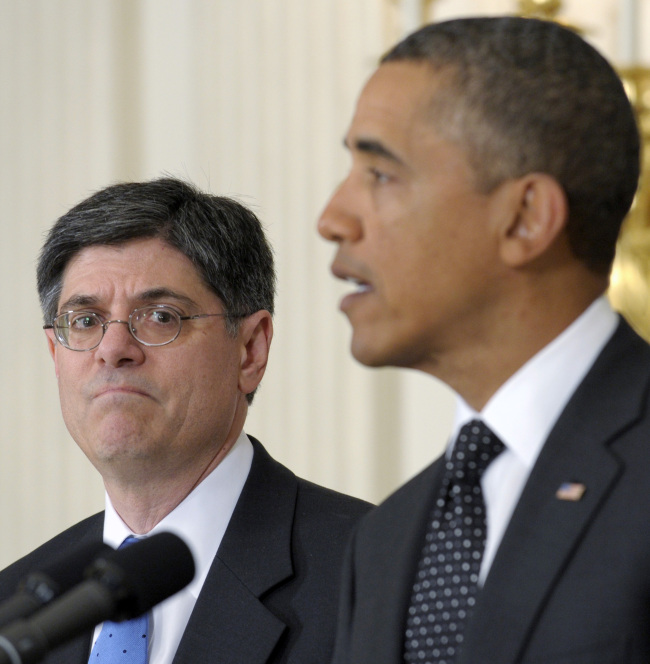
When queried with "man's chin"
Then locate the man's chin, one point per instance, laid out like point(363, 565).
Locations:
point(367, 354)
point(113, 448)
point(116, 456)
point(369, 350)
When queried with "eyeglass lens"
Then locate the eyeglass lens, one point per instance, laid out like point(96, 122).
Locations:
point(153, 325)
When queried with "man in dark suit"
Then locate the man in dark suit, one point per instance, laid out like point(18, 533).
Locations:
point(157, 300)
point(493, 161)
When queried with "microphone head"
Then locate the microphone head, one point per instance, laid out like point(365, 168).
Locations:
point(62, 573)
point(143, 574)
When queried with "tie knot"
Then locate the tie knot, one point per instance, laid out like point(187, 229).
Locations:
point(475, 448)
point(128, 541)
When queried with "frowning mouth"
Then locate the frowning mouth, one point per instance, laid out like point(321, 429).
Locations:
point(120, 390)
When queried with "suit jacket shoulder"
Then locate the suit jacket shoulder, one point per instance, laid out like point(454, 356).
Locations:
point(86, 531)
point(271, 594)
point(89, 530)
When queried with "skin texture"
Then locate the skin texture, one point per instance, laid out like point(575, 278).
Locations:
point(463, 284)
point(154, 421)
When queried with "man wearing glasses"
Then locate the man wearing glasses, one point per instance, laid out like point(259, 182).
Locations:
point(158, 300)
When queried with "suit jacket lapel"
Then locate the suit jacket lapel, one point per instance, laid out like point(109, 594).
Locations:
point(388, 569)
point(230, 622)
point(544, 530)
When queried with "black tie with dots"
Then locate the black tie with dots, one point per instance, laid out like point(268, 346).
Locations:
point(446, 582)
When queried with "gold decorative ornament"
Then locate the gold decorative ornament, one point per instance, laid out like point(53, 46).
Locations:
point(629, 290)
point(546, 10)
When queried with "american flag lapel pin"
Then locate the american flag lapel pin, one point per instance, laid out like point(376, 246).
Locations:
point(572, 491)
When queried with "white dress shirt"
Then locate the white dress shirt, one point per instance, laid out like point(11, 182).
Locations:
point(201, 521)
point(525, 408)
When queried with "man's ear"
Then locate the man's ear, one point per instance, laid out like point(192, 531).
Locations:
point(51, 346)
point(538, 211)
point(255, 334)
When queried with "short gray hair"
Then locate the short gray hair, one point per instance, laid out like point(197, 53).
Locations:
point(522, 96)
point(224, 240)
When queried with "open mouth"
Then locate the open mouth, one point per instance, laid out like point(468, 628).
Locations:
point(360, 286)
point(345, 271)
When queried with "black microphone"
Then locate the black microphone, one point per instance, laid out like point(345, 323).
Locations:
point(40, 587)
point(119, 585)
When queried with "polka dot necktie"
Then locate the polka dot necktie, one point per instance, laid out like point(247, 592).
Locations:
point(124, 642)
point(446, 582)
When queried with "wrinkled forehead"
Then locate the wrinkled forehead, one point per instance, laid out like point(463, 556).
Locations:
point(130, 254)
point(132, 267)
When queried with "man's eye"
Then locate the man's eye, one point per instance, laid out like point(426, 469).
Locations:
point(379, 176)
point(83, 322)
point(161, 317)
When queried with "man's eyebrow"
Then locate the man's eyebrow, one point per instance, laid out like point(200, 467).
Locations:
point(151, 295)
point(372, 147)
point(78, 301)
point(162, 293)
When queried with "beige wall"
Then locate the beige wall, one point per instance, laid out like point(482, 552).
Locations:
point(248, 98)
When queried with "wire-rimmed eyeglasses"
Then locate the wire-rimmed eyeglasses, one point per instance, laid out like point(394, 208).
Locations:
point(153, 325)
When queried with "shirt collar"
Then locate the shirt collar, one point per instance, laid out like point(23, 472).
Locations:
point(525, 408)
point(202, 517)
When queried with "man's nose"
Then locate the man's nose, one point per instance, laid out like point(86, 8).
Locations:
point(118, 346)
point(339, 221)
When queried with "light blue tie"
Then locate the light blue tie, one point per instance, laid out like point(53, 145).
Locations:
point(123, 642)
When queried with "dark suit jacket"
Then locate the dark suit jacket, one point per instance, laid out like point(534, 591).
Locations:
point(271, 593)
point(570, 583)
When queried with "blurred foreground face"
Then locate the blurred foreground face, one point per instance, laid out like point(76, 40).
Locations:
point(413, 233)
